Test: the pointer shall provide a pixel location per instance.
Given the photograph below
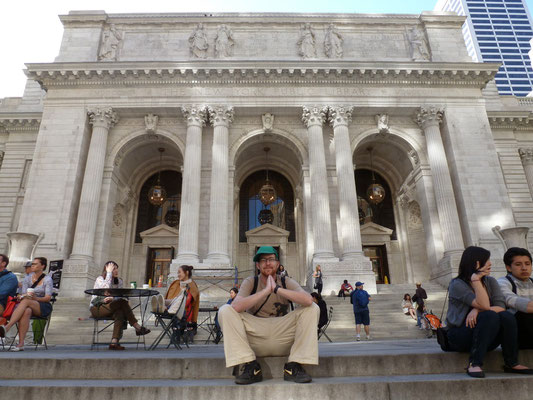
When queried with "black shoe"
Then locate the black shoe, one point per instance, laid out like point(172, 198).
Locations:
point(251, 373)
point(511, 370)
point(294, 372)
point(217, 337)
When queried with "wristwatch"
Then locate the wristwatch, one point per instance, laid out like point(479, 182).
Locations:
point(276, 289)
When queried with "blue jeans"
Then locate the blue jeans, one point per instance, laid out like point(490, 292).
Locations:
point(419, 316)
point(491, 330)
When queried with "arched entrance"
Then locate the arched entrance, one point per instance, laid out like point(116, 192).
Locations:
point(393, 232)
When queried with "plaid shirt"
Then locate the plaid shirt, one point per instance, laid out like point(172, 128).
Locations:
point(520, 300)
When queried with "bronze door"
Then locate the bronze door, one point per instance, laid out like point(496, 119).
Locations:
point(378, 258)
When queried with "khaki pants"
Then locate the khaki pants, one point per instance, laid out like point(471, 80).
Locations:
point(120, 310)
point(247, 337)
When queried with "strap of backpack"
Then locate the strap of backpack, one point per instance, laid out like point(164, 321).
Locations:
point(284, 285)
point(513, 285)
point(256, 282)
point(444, 305)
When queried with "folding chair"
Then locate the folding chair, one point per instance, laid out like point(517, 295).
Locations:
point(322, 331)
point(168, 323)
point(42, 329)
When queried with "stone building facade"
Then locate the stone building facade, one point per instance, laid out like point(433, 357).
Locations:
point(335, 98)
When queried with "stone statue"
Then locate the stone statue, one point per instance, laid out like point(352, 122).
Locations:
point(150, 122)
point(307, 42)
point(198, 42)
point(383, 123)
point(110, 41)
point(333, 42)
point(1, 157)
point(224, 42)
point(418, 44)
point(268, 122)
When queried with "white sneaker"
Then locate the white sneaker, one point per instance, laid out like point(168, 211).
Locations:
point(158, 304)
point(358, 338)
point(368, 337)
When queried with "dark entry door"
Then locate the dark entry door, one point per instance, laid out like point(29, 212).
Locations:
point(158, 266)
point(378, 258)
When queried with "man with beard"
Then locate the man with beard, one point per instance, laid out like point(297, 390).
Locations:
point(260, 323)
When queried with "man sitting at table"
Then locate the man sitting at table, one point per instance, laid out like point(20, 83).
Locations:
point(259, 323)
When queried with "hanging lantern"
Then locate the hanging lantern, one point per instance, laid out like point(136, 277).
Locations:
point(265, 216)
point(267, 193)
point(172, 217)
point(157, 194)
point(375, 192)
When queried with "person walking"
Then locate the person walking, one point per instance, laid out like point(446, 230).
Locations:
point(360, 299)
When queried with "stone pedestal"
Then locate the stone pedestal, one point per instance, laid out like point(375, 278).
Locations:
point(512, 237)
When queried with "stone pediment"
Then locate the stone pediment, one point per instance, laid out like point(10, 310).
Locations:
point(370, 228)
point(160, 231)
point(267, 230)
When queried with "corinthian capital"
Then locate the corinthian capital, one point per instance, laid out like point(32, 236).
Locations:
point(526, 154)
point(340, 115)
point(102, 117)
point(220, 115)
point(429, 115)
point(195, 115)
point(314, 115)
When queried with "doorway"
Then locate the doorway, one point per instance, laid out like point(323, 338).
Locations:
point(158, 266)
point(378, 258)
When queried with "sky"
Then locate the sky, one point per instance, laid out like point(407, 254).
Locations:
point(31, 32)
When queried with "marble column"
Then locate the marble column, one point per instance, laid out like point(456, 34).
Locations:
point(429, 119)
point(102, 119)
point(220, 117)
point(313, 118)
point(190, 194)
point(526, 155)
point(339, 118)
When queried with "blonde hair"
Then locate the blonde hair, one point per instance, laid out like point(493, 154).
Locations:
point(318, 267)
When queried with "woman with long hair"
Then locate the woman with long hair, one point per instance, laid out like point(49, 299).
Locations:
point(476, 320)
point(117, 309)
point(318, 279)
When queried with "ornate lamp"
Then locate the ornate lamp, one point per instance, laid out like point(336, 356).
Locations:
point(375, 192)
point(172, 217)
point(265, 216)
point(267, 193)
point(157, 194)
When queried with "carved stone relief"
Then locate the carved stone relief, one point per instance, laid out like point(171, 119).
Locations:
point(526, 154)
point(382, 121)
point(1, 157)
point(333, 42)
point(117, 215)
point(150, 122)
point(418, 45)
point(109, 47)
point(415, 216)
point(414, 156)
point(307, 42)
point(224, 42)
point(198, 44)
point(268, 122)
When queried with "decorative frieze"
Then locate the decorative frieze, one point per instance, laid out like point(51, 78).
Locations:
point(307, 42)
point(418, 45)
point(333, 42)
point(109, 46)
point(224, 42)
point(198, 44)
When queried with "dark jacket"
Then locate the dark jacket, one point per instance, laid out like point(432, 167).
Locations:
point(8, 285)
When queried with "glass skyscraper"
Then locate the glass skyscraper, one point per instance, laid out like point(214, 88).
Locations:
point(498, 31)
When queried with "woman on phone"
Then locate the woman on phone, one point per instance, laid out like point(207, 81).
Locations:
point(35, 297)
point(476, 320)
point(115, 308)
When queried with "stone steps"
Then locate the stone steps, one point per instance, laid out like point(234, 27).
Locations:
point(409, 369)
point(412, 387)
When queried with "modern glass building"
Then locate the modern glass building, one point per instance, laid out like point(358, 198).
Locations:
point(498, 31)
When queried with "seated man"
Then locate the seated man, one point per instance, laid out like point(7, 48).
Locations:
point(8, 282)
point(517, 287)
point(259, 323)
point(346, 289)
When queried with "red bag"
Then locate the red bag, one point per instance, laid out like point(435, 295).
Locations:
point(10, 306)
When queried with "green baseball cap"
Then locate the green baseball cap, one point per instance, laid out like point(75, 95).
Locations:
point(265, 250)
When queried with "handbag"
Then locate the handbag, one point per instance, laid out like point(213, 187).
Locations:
point(442, 333)
point(10, 307)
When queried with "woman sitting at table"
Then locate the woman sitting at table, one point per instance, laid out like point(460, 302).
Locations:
point(113, 307)
point(183, 298)
point(34, 302)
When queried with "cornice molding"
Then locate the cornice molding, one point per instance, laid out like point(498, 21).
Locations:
point(517, 120)
point(19, 122)
point(246, 72)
